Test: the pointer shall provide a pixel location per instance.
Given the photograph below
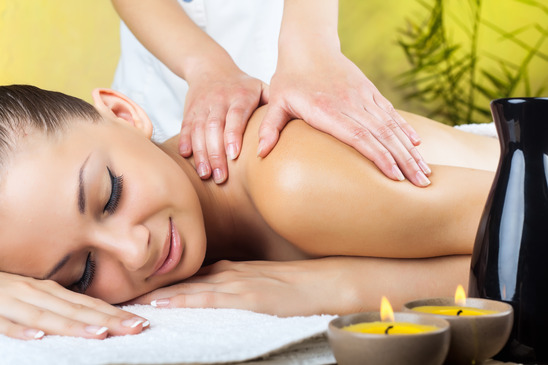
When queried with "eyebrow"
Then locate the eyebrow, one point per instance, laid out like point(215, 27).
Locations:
point(81, 190)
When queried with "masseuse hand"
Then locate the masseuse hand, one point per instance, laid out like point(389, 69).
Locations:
point(331, 94)
point(280, 288)
point(30, 308)
point(217, 108)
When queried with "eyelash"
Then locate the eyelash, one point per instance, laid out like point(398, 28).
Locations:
point(87, 277)
point(115, 192)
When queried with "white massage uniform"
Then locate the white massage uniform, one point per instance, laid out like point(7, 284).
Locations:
point(247, 29)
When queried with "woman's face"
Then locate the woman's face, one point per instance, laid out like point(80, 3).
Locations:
point(99, 209)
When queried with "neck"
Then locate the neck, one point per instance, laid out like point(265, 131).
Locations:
point(221, 220)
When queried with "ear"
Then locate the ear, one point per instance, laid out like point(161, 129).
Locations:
point(113, 104)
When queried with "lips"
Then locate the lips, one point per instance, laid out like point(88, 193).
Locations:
point(171, 252)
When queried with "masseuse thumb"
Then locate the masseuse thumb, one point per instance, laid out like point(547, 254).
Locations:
point(273, 122)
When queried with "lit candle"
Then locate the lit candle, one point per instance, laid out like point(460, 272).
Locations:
point(455, 310)
point(479, 327)
point(388, 338)
point(388, 326)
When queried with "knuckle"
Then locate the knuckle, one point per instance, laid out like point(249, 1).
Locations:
point(214, 122)
point(385, 132)
point(361, 133)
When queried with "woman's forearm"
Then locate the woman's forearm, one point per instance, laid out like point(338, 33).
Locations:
point(166, 31)
point(308, 26)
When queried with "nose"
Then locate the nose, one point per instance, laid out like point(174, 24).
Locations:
point(128, 245)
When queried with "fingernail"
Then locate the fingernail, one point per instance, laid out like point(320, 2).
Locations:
point(232, 151)
point(160, 303)
point(397, 173)
point(261, 147)
point(146, 324)
point(133, 322)
point(424, 167)
point(96, 330)
point(184, 149)
point(415, 139)
point(34, 334)
point(218, 176)
point(202, 169)
point(423, 180)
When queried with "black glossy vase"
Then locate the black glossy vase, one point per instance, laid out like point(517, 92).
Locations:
point(510, 258)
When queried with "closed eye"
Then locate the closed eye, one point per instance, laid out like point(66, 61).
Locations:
point(116, 185)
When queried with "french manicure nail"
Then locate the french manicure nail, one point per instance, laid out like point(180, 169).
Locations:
point(146, 324)
point(96, 330)
point(424, 167)
point(133, 322)
point(34, 334)
point(232, 151)
point(202, 169)
point(184, 149)
point(397, 173)
point(415, 139)
point(423, 180)
point(160, 303)
point(218, 175)
point(261, 147)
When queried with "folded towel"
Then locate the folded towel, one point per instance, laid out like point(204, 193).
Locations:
point(183, 335)
point(484, 129)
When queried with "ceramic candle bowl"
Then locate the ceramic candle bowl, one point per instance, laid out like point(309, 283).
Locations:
point(427, 348)
point(474, 339)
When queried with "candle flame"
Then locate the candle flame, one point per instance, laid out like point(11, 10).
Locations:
point(460, 296)
point(387, 314)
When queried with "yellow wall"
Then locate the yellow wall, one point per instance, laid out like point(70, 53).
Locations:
point(66, 45)
point(73, 45)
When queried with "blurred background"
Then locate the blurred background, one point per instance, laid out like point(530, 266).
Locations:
point(441, 58)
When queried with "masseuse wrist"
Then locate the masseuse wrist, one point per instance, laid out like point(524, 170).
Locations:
point(212, 65)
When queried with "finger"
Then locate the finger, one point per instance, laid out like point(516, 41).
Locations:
point(388, 132)
point(385, 105)
point(185, 142)
point(273, 122)
point(236, 121)
point(85, 309)
point(18, 331)
point(215, 143)
point(199, 146)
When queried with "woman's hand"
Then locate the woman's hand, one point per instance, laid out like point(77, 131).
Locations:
point(281, 288)
point(30, 309)
point(217, 109)
point(331, 94)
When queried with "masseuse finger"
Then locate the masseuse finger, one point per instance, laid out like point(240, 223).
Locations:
point(236, 121)
point(273, 122)
point(387, 106)
point(199, 146)
point(392, 137)
point(214, 132)
point(14, 330)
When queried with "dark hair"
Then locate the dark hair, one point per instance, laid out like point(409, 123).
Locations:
point(24, 108)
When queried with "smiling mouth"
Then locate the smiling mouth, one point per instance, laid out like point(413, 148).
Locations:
point(171, 253)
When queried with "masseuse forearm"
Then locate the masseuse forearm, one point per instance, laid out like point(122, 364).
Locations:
point(309, 25)
point(185, 49)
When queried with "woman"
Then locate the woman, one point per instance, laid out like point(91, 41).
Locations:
point(90, 203)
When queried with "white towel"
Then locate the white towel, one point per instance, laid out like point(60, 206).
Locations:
point(183, 336)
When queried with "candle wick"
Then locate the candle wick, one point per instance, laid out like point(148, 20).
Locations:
point(388, 329)
point(459, 312)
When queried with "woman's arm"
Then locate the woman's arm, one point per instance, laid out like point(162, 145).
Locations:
point(30, 309)
point(221, 97)
point(316, 82)
point(332, 285)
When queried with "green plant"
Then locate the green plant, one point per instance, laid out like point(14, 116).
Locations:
point(454, 81)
